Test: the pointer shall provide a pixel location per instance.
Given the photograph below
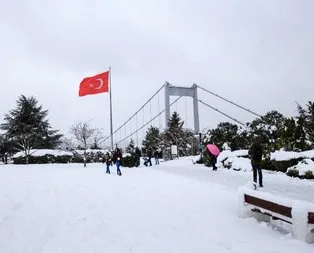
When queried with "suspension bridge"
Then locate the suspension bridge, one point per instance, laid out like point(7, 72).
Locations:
point(156, 112)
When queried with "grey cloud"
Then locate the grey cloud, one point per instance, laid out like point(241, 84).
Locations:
point(258, 53)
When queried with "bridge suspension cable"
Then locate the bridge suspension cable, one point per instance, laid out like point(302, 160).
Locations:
point(144, 125)
point(229, 101)
point(137, 111)
point(221, 112)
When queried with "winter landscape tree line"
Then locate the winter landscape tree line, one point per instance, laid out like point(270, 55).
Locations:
point(26, 127)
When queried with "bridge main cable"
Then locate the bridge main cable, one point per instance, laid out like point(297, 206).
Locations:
point(222, 112)
point(229, 101)
point(147, 122)
point(136, 111)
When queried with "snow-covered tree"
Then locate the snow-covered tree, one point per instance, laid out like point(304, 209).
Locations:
point(176, 135)
point(287, 134)
point(269, 128)
point(306, 115)
point(229, 134)
point(26, 127)
point(152, 139)
point(131, 147)
point(293, 135)
point(98, 139)
point(84, 134)
point(301, 137)
point(133, 159)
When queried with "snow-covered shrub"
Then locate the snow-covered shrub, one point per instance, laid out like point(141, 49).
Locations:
point(130, 161)
point(305, 169)
point(282, 166)
point(78, 158)
point(293, 172)
point(236, 160)
point(42, 156)
point(309, 174)
point(225, 146)
point(282, 160)
point(43, 159)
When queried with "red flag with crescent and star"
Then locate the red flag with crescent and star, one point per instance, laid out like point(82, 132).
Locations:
point(94, 84)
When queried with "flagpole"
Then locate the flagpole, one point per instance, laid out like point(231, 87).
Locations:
point(111, 128)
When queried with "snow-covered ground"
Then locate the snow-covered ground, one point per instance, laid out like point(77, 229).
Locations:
point(173, 207)
point(276, 183)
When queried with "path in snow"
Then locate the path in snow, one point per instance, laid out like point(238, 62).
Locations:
point(68, 208)
point(275, 183)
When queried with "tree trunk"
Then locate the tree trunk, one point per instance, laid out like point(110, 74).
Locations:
point(84, 158)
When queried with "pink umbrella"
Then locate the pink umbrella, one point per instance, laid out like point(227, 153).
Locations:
point(213, 149)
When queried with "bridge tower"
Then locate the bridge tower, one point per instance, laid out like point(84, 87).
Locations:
point(171, 90)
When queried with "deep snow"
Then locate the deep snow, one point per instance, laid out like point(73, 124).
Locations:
point(173, 207)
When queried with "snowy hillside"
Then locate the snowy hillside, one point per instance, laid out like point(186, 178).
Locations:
point(173, 207)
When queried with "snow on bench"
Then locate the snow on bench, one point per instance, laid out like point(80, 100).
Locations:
point(294, 216)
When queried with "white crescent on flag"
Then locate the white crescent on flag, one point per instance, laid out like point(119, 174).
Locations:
point(101, 83)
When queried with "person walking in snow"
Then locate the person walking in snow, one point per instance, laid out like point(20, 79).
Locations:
point(118, 158)
point(108, 161)
point(256, 154)
point(156, 156)
point(149, 156)
point(213, 161)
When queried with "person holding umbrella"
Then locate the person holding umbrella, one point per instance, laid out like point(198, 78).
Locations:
point(213, 152)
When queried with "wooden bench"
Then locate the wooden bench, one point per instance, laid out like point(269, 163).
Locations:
point(263, 206)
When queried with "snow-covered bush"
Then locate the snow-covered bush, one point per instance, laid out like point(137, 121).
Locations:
point(47, 158)
point(304, 169)
point(293, 173)
point(309, 174)
point(236, 160)
point(283, 160)
point(130, 161)
point(294, 164)
point(42, 156)
point(281, 166)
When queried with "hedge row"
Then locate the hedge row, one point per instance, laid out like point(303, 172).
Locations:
point(47, 159)
point(295, 173)
point(282, 166)
point(129, 161)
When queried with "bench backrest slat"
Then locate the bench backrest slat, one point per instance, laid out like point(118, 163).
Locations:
point(273, 207)
point(268, 205)
point(311, 218)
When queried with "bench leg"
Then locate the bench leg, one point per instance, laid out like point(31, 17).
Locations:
point(301, 229)
point(244, 210)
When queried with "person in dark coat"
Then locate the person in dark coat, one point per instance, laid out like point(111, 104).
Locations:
point(213, 161)
point(149, 156)
point(156, 156)
point(108, 161)
point(118, 155)
point(256, 154)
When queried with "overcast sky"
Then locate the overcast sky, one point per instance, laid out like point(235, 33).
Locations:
point(257, 53)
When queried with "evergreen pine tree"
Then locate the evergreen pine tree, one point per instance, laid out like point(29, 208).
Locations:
point(269, 128)
point(288, 134)
point(26, 127)
point(176, 135)
point(224, 133)
point(228, 134)
point(134, 158)
point(301, 139)
point(152, 139)
point(306, 115)
point(130, 148)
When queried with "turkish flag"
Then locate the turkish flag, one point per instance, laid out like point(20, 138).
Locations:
point(94, 84)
